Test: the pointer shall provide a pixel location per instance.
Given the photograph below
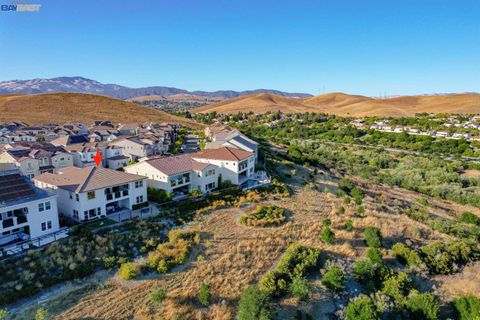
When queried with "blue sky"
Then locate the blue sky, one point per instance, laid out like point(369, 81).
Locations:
point(362, 47)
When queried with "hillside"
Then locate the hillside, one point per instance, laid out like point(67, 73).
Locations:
point(350, 105)
point(78, 107)
point(258, 103)
point(84, 85)
point(180, 97)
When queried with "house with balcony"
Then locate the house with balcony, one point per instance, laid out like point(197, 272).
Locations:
point(91, 193)
point(141, 146)
point(26, 212)
point(201, 170)
point(83, 154)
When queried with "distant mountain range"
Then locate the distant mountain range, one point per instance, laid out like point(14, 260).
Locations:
point(83, 85)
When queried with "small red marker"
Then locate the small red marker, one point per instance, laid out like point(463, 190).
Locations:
point(98, 157)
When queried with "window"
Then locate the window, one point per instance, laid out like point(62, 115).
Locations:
point(49, 224)
point(139, 199)
point(41, 207)
point(91, 195)
point(75, 214)
point(48, 205)
point(99, 211)
point(71, 195)
point(77, 197)
point(138, 184)
point(44, 226)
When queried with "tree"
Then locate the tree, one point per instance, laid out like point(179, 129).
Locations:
point(129, 270)
point(422, 306)
point(362, 308)
point(466, 307)
point(373, 237)
point(204, 294)
point(158, 296)
point(375, 255)
point(397, 287)
point(254, 304)
point(299, 288)
point(334, 280)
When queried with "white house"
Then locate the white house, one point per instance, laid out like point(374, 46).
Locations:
point(90, 193)
point(201, 170)
point(226, 136)
point(26, 212)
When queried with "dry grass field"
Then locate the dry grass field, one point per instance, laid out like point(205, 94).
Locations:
point(180, 97)
point(350, 105)
point(78, 107)
point(232, 256)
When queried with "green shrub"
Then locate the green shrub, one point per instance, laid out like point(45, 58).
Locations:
point(158, 195)
point(362, 308)
point(397, 287)
point(349, 225)
point(195, 193)
point(129, 270)
point(204, 294)
point(422, 306)
point(346, 200)
point(375, 255)
point(357, 195)
point(158, 296)
point(346, 185)
point(440, 257)
point(327, 235)
point(334, 280)
point(254, 304)
point(299, 288)
point(341, 210)
point(264, 216)
point(468, 217)
point(297, 261)
point(3, 314)
point(466, 307)
point(41, 314)
point(360, 210)
point(369, 273)
point(373, 237)
point(109, 262)
point(326, 222)
point(407, 256)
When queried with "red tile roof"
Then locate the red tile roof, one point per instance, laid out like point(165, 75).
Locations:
point(225, 153)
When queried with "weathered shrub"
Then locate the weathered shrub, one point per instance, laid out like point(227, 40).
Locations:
point(264, 216)
point(468, 217)
point(254, 304)
point(422, 306)
point(129, 270)
point(467, 307)
point(334, 280)
point(362, 308)
point(373, 237)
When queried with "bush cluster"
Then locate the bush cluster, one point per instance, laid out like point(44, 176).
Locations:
point(264, 216)
point(129, 270)
point(173, 252)
point(467, 307)
point(296, 262)
point(254, 304)
point(334, 280)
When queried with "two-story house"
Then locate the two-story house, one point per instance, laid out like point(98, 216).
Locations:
point(26, 212)
point(90, 193)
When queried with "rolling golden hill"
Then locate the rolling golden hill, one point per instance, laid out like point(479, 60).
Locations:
point(79, 107)
point(350, 105)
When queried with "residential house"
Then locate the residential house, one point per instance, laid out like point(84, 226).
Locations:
point(140, 146)
point(202, 170)
point(84, 153)
point(90, 193)
point(34, 158)
point(26, 212)
point(225, 136)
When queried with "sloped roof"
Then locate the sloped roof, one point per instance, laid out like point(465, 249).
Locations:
point(81, 180)
point(225, 153)
point(176, 164)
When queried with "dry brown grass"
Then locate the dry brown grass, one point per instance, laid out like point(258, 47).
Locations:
point(350, 105)
point(78, 107)
point(232, 256)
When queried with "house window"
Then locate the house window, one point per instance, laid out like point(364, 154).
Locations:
point(48, 205)
point(71, 195)
point(49, 224)
point(77, 197)
point(46, 225)
point(91, 195)
point(99, 211)
point(139, 199)
point(138, 184)
point(41, 207)
point(75, 214)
